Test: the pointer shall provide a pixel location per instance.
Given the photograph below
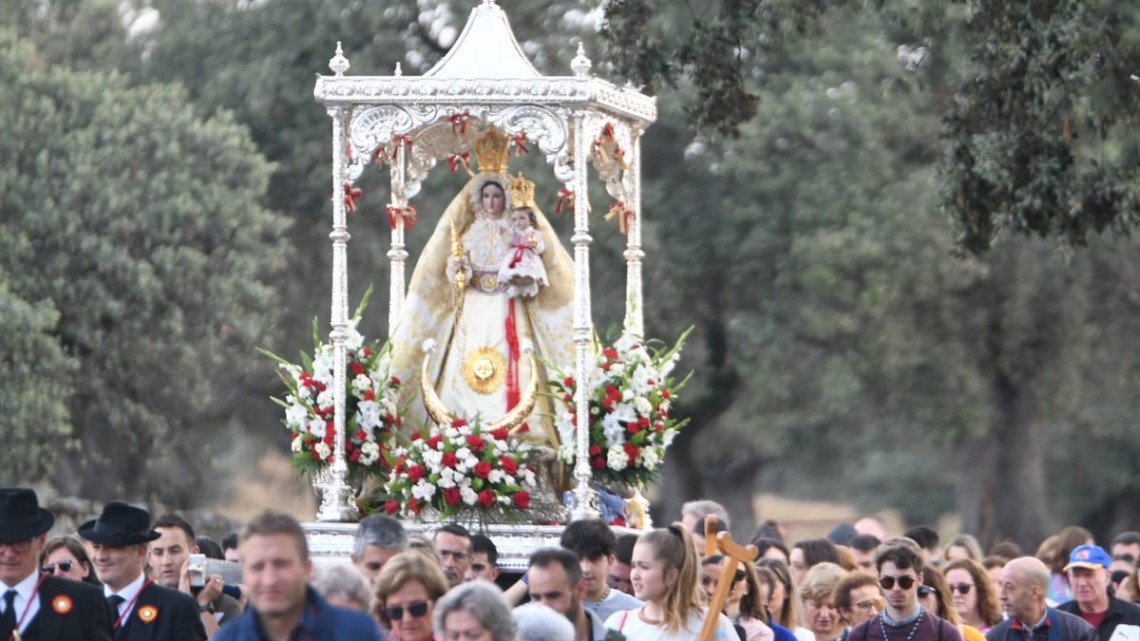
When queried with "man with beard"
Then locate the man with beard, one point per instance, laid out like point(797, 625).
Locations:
point(554, 579)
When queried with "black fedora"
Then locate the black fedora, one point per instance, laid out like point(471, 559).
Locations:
point(21, 516)
point(119, 525)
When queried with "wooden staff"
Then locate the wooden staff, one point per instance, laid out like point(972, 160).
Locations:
point(733, 553)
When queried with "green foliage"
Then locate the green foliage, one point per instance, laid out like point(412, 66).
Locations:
point(145, 225)
point(36, 377)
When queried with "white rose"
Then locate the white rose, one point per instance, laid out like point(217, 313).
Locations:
point(496, 476)
point(643, 406)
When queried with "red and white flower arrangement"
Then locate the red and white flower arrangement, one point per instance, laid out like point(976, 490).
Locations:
point(372, 414)
point(460, 470)
point(631, 390)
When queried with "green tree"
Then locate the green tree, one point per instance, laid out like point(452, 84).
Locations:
point(144, 223)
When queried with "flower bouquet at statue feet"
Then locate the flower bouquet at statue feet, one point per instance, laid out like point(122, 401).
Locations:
point(372, 414)
point(631, 391)
point(463, 471)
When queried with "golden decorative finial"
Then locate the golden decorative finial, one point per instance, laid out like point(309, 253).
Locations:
point(492, 151)
point(460, 284)
point(521, 191)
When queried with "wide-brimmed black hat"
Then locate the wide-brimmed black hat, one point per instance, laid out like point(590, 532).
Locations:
point(21, 516)
point(119, 525)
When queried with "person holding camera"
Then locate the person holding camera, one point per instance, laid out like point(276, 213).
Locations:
point(177, 564)
point(141, 610)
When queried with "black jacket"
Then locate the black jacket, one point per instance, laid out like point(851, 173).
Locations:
point(1119, 613)
point(69, 611)
point(162, 614)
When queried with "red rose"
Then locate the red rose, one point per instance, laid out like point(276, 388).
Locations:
point(633, 428)
point(414, 505)
point(357, 368)
point(567, 399)
point(522, 499)
point(449, 460)
point(595, 450)
point(568, 382)
point(483, 469)
point(459, 422)
point(391, 507)
point(361, 435)
point(665, 394)
point(598, 462)
point(643, 421)
point(415, 473)
point(366, 351)
point(355, 456)
point(369, 395)
point(476, 443)
point(434, 441)
point(610, 353)
point(630, 448)
point(416, 436)
point(510, 466)
point(500, 434)
point(395, 381)
point(451, 496)
point(486, 498)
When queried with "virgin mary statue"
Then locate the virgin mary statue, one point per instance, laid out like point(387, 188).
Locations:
point(482, 335)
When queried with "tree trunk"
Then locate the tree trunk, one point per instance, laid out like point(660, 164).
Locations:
point(1017, 445)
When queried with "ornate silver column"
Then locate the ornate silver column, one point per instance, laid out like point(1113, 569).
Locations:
point(334, 489)
point(397, 255)
point(586, 504)
point(634, 302)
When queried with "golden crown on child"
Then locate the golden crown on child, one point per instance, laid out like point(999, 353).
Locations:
point(521, 192)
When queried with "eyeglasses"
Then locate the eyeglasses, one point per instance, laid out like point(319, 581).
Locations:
point(923, 590)
point(415, 609)
point(863, 605)
point(453, 554)
point(64, 566)
point(962, 588)
point(16, 546)
point(905, 582)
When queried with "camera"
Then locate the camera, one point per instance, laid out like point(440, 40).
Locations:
point(196, 568)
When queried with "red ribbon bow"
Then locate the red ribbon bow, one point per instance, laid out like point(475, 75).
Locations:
point(351, 195)
point(519, 143)
point(454, 160)
point(623, 213)
point(459, 123)
point(405, 214)
point(380, 155)
point(565, 198)
point(396, 140)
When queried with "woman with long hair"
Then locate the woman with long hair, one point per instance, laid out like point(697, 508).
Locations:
point(784, 603)
point(935, 598)
point(664, 575)
point(973, 594)
point(741, 607)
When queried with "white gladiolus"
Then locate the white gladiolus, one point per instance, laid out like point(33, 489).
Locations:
point(667, 437)
point(470, 497)
point(616, 458)
point(297, 444)
point(613, 430)
point(423, 490)
point(643, 406)
point(323, 450)
point(316, 427)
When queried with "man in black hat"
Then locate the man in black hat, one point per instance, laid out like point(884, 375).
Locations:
point(39, 607)
point(142, 610)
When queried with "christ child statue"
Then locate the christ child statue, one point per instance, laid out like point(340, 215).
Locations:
point(522, 267)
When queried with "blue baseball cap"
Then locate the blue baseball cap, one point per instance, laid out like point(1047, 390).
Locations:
point(1092, 557)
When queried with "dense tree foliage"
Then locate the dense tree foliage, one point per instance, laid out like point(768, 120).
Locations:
point(139, 221)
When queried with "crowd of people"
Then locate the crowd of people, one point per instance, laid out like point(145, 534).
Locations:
point(123, 577)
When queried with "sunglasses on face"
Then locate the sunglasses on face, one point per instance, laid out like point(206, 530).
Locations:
point(415, 609)
point(905, 582)
point(64, 566)
point(962, 588)
point(924, 590)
